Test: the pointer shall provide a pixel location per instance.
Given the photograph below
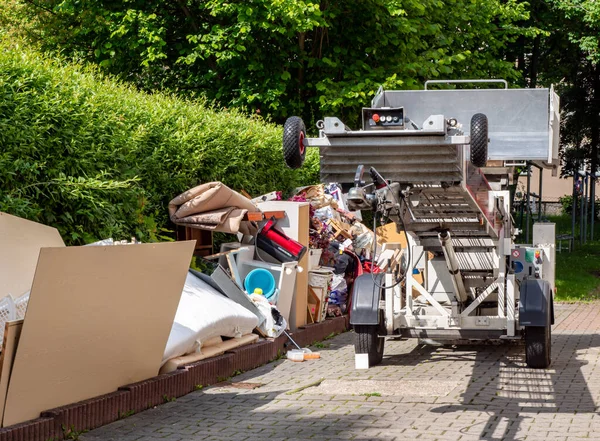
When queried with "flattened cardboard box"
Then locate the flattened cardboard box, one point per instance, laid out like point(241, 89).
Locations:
point(20, 243)
point(98, 318)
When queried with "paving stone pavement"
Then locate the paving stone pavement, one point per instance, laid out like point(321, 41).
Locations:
point(418, 392)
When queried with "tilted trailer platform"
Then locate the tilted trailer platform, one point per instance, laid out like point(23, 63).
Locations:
point(426, 152)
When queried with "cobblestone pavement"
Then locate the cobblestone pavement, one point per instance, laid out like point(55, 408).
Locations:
point(418, 392)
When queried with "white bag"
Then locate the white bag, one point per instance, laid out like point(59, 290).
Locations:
point(269, 327)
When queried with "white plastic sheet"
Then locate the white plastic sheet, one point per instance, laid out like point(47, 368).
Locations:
point(204, 313)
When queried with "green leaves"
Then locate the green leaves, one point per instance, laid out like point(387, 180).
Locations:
point(98, 159)
point(282, 57)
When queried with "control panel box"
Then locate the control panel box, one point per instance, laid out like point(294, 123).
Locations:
point(527, 262)
point(383, 118)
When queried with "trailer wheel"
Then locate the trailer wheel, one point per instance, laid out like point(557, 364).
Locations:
point(479, 139)
point(538, 343)
point(368, 341)
point(294, 149)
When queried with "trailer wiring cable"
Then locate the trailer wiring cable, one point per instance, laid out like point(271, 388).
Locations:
point(401, 279)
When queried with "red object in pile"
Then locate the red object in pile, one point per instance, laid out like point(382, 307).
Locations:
point(370, 267)
point(278, 245)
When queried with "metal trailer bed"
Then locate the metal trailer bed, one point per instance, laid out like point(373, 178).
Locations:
point(425, 151)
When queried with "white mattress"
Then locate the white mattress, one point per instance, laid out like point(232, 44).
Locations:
point(204, 313)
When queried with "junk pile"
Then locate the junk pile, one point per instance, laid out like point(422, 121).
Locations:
point(139, 310)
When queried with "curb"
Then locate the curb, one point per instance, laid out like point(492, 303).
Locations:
point(95, 412)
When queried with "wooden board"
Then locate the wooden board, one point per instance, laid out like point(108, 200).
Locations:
point(20, 243)
point(208, 352)
point(98, 318)
point(12, 333)
point(314, 306)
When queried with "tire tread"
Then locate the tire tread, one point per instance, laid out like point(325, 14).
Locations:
point(291, 133)
point(479, 140)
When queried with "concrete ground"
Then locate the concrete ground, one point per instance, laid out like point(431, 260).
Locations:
point(418, 392)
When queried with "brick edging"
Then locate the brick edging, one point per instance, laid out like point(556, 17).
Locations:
point(133, 398)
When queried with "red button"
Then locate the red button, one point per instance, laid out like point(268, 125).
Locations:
point(375, 117)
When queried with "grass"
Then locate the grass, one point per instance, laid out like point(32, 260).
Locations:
point(578, 272)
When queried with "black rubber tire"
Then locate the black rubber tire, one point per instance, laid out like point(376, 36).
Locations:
point(538, 345)
point(479, 140)
point(367, 341)
point(294, 150)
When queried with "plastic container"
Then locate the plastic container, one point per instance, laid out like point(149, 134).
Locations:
point(295, 355)
point(262, 279)
point(312, 355)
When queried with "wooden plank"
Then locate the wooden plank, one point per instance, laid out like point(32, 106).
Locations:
point(208, 352)
point(314, 300)
point(98, 318)
point(310, 318)
point(260, 216)
point(12, 333)
point(224, 253)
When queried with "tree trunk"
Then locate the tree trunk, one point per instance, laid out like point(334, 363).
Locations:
point(533, 68)
point(594, 133)
point(301, 41)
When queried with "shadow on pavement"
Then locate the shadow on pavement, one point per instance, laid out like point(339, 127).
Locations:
point(503, 387)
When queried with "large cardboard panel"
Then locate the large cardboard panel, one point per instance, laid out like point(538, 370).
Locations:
point(20, 243)
point(98, 318)
point(12, 333)
point(388, 234)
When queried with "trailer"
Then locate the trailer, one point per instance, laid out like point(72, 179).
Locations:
point(439, 164)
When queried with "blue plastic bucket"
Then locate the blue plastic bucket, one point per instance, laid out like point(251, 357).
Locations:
point(260, 278)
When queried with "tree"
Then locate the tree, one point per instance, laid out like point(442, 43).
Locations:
point(582, 29)
point(278, 57)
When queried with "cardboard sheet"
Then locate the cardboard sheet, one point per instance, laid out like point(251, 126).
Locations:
point(20, 243)
point(388, 234)
point(98, 318)
point(12, 334)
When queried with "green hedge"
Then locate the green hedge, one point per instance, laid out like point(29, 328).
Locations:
point(96, 158)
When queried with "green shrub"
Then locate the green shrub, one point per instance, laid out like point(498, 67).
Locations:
point(96, 158)
point(567, 204)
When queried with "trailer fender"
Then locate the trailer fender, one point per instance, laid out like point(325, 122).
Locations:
point(535, 304)
point(365, 300)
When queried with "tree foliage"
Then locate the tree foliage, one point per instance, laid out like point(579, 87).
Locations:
point(280, 57)
point(566, 53)
point(96, 158)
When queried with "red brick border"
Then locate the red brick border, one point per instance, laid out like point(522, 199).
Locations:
point(137, 397)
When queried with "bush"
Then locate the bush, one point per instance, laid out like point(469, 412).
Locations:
point(567, 204)
point(96, 158)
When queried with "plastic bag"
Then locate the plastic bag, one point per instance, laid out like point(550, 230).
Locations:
point(270, 327)
point(339, 290)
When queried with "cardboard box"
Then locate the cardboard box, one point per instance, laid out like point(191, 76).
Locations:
point(98, 317)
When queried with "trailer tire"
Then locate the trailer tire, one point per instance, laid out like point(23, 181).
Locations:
point(368, 341)
point(538, 344)
point(294, 150)
point(479, 140)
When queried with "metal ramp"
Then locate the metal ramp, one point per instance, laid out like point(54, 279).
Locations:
point(398, 158)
